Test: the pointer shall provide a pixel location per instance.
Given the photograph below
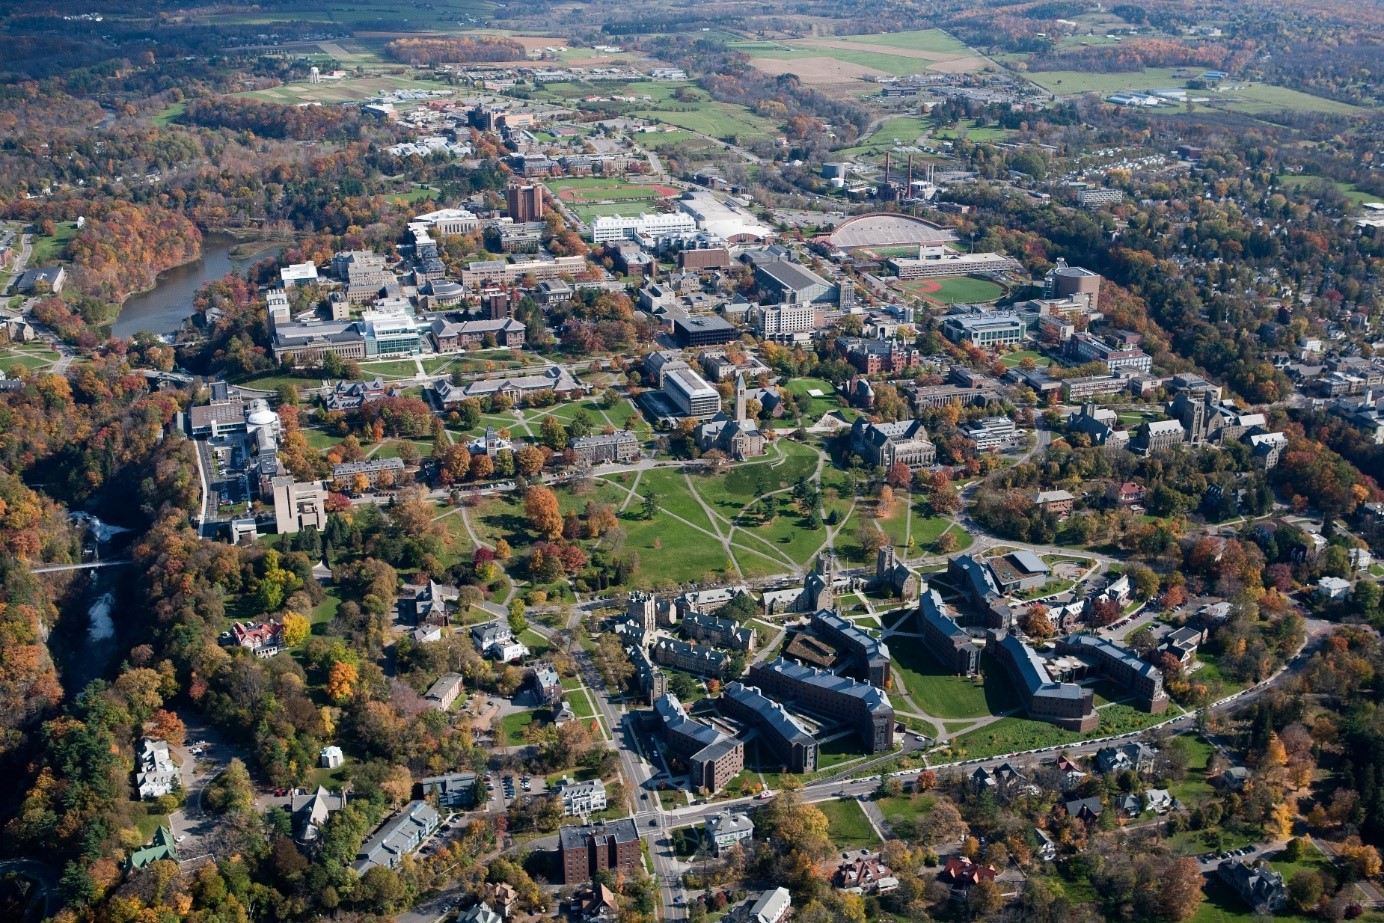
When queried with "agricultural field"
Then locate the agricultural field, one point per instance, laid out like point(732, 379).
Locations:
point(1263, 99)
point(593, 197)
point(372, 15)
point(349, 89)
point(842, 63)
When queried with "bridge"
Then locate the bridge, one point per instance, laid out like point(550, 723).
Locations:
point(93, 565)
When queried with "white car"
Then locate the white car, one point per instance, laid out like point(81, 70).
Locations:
point(180, 838)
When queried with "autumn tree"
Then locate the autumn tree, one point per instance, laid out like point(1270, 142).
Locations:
point(542, 511)
point(295, 628)
point(341, 682)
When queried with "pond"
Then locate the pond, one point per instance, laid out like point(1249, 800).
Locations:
point(163, 308)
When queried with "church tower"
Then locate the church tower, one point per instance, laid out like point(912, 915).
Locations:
point(739, 397)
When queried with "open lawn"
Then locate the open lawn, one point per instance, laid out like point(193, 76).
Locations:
point(1009, 735)
point(966, 129)
point(941, 694)
point(514, 725)
point(1017, 358)
point(390, 368)
point(905, 807)
point(1311, 183)
point(51, 249)
point(847, 824)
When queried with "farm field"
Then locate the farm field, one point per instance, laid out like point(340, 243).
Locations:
point(848, 60)
point(1263, 98)
point(350, 89)
point(1072, 83)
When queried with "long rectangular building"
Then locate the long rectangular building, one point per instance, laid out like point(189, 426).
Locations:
point(1066, 705)
point(869, 657)
point(865, 707)
point(944, 638)
point(1120, 665)
point(792, 746)
point(712, 758)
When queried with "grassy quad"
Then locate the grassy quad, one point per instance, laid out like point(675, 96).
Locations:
point(1014, 734)
point(942, 694)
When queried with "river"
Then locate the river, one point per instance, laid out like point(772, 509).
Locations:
point(163, 308)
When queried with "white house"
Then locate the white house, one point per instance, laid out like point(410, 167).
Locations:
point(727, 829)
point(157, 774)
point(1333, 588)
point(771, 907)
point(582, 798)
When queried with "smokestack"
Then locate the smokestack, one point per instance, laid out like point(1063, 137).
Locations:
point(910, 174)
point(886, 167)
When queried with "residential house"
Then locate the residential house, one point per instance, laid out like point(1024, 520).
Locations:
point(582, 798)
point(595, 903)
point(864, 873)
point(427, 604)
point(1159, 800)
point(727, 829)
point(547, 683)
point(1047, 848)
point(770, 907)
point(481, 913)
point(156, 774)
point(1086, 810)
point(961, 874)
point(1259, 886)
point(1132, 757)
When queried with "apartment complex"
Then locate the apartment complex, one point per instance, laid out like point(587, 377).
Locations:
point(585, 850)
